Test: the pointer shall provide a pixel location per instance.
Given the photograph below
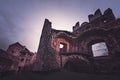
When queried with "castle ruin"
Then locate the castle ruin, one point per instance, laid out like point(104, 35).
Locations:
point(93, 46)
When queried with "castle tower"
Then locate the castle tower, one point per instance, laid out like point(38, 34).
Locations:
point(45, 58)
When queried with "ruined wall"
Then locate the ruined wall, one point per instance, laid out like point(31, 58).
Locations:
point(101, 27)
point(5, 61)
point(14, 49)
point(78, 44)
point(20, 56)
point(46, 59)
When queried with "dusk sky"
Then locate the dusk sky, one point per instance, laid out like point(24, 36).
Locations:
point(22, 20)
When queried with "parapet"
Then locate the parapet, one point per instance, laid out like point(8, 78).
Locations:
point(77, 25)
point(97, 14)
point(108, 14)
point(97, 19)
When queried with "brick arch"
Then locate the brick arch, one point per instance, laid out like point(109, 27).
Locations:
point(91, 37)
point(64, 38)
point(76, 63)
point(80, 57)
point(56, 44)
point(65, 35)
point(94, 36)
point(63, 41)
point(89, 33)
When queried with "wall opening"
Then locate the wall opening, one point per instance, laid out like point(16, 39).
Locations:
point(100, 49)
point(63, 47)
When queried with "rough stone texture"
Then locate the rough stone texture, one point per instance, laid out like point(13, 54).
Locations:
point(46, 59)
point(16, 58)
point(77, 53)
point(23, 57)
point(5, 61)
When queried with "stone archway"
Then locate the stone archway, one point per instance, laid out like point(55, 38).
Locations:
point(64, 42)
point(76, 64)
point(89, 38)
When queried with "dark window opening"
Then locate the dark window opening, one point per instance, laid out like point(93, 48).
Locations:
point(12, 51)
point(22, 59)
point(27, 60)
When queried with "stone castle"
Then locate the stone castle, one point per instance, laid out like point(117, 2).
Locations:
point(16, 58)
point(93, 46)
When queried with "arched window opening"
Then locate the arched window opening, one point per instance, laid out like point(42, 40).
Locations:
point(63, 47)
point(99, 49)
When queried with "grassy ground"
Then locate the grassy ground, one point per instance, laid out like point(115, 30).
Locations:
point(59, 75)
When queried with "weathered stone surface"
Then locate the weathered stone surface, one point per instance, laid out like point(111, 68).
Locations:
point(22, 57)
point(16, 58)
point(5, 61)
point(77, 45)
point(46, 55)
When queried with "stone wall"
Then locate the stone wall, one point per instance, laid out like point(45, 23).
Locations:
point(46, 59)
point(100, 28)
point(16, 58)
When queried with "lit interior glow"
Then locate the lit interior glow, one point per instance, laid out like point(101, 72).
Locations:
point(61, 45)
point(100, 49)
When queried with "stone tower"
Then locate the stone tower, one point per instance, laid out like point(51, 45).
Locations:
point(45, 55)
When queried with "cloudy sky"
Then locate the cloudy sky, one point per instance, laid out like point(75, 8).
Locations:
point(22, 20)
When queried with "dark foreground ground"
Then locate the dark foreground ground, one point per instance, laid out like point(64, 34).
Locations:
point(59, 75)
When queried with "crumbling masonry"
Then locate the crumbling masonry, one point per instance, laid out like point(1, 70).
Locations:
point(74, 50)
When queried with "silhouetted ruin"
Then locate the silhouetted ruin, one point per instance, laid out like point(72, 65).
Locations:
point(17, 58)
point(92, 47)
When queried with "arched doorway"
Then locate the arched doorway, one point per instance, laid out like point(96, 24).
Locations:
point(77, 65)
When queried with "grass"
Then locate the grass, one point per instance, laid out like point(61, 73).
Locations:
point(59, 75)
